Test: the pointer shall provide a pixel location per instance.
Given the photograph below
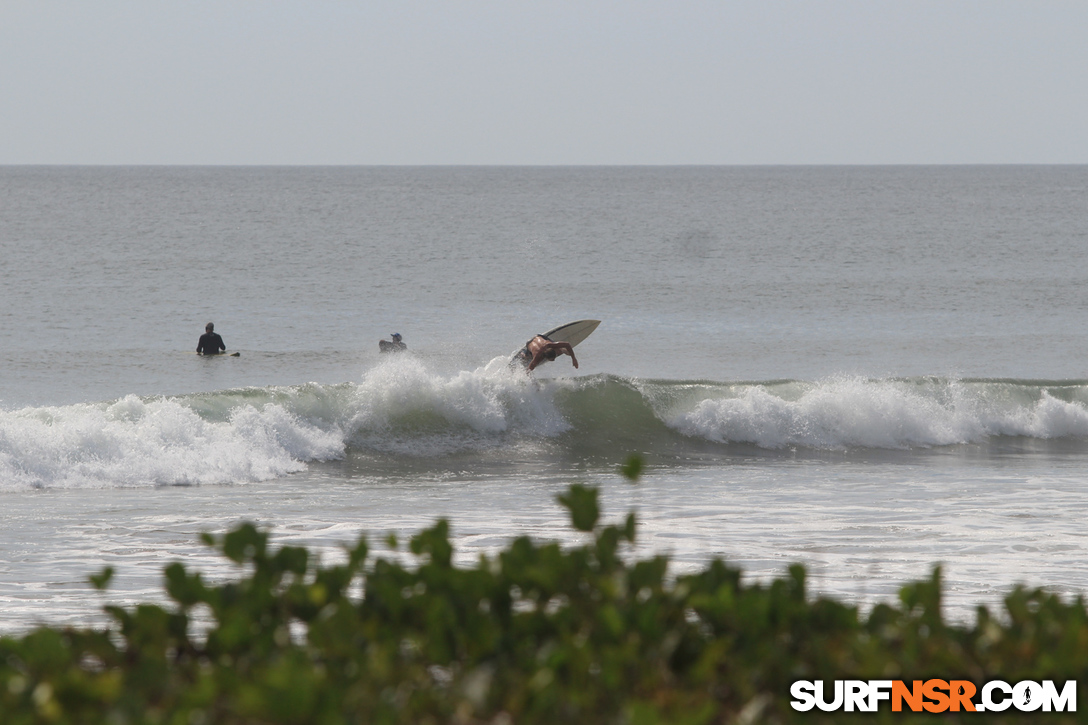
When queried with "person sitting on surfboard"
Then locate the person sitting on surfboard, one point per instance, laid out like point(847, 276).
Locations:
point(540, 349)
point(210, 342)
point(396, 346)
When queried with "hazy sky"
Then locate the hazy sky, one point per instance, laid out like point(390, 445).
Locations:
point(543, 82)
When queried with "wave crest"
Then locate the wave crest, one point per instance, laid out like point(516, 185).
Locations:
point(888, 414)
point(401, 408)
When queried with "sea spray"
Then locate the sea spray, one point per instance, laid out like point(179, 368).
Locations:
point(403, 407)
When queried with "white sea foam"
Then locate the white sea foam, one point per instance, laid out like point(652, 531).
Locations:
point(402, 406)
point(133, 442)
point(855, 412)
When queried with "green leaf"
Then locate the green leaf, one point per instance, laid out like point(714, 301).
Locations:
point(581, 501)
point(632, 468)
point(101, 581)
point(245, 543)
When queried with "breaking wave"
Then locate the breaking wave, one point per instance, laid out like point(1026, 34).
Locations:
point(401, 408)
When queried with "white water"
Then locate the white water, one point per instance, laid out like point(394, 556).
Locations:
point(857, 413)
point(403, 410)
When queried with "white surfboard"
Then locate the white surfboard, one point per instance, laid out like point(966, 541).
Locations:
point(572, 332)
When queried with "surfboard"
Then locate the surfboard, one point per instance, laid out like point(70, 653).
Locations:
point(220, 354)
point(572, 332)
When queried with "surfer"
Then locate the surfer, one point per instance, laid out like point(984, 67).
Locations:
point(541, 349)
point(210, 342)
point(397, 345)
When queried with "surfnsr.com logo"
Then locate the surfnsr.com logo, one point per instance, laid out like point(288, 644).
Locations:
point(934, 696)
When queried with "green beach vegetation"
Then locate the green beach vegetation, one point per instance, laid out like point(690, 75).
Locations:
point(537, 633)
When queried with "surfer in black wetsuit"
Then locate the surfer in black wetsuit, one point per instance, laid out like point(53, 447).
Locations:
point(210, 342)
point(541, 349)
point(396, 346)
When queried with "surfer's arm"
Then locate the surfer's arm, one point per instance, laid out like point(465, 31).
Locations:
point(568, 349)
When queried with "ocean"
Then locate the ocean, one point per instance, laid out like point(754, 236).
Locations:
point(868, 370)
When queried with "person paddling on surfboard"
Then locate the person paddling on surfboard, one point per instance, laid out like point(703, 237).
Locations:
point(396, 346)
point(541, 349)
point(210, 342)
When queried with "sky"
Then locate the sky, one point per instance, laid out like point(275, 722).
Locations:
point(543, 82)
